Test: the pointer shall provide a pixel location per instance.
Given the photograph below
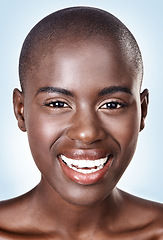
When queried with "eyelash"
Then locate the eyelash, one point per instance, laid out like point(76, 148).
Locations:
point(57, 104)
point(113, 105)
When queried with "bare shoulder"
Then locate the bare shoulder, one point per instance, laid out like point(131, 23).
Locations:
point(146, 215)
point(15, 217)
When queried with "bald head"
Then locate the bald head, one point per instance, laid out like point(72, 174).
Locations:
point(78, 24)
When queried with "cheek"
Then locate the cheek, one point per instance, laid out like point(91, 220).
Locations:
point(128, 136)
point(128, 130)
point(124, 130)
point(127, 127)
point(43, 131)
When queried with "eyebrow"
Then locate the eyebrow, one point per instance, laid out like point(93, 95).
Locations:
point(54, 90)
point(105, 91)
point(114, 89)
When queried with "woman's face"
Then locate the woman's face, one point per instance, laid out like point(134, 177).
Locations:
point(82, 111)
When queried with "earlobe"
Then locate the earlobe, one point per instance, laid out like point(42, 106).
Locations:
point(18, 102)
point(144, 97)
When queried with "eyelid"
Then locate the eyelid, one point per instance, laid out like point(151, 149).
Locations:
point(54, 102)
point(113, 100)
point(47, 102)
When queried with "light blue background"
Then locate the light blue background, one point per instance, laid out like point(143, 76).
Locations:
point(18, 174)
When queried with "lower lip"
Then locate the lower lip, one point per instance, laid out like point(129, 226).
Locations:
point(86, 179)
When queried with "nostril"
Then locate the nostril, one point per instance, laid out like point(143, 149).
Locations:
point(86, 134)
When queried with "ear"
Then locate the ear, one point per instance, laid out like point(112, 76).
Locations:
point(144, 98)
point(18, 102)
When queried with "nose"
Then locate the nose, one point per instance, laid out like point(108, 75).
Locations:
point(86, 127)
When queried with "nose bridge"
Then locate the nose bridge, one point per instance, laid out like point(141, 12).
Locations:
point(86, 127)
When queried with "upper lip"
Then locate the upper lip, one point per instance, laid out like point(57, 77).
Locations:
point(85, 154)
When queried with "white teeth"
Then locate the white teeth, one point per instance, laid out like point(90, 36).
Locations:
point(90, 164)
point(98, 163)
point(82, 164)
point(86, 171)
point(73, 162)
point(78, 165)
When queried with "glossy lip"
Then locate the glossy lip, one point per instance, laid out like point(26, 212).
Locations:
point(85, 154)
point(89, 178)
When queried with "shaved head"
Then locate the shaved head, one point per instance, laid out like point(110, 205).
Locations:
point(77, 24)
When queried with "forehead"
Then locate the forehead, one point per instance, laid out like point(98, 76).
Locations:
point(91, 64)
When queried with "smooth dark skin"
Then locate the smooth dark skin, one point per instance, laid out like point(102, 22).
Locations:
point(61, 209)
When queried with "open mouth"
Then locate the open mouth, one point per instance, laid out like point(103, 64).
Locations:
point(86, 171)
point(85, 166)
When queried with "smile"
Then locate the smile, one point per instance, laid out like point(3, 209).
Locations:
point(84, 166)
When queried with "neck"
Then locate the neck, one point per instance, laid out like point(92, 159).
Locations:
point(75, 217)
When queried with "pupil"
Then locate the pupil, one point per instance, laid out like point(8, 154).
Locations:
point(112, 105)
point(59, 104)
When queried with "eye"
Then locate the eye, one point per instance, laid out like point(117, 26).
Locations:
point(57, 104)
point(113, 105)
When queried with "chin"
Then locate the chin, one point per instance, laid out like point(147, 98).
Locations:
point(86, 196)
